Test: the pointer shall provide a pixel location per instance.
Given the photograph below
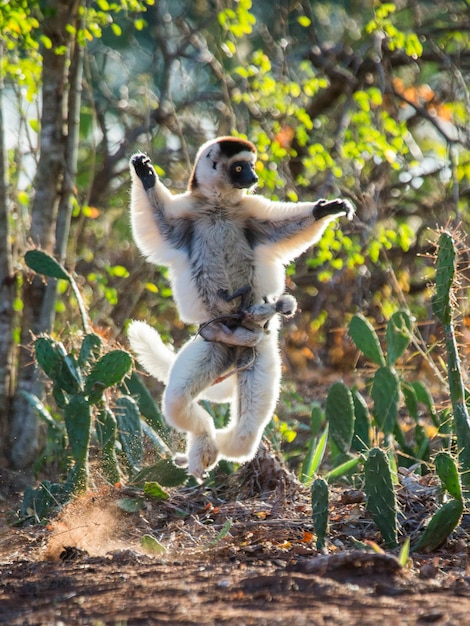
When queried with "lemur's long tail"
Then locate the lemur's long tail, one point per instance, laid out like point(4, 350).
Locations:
point(154, 356)
point(157, 359)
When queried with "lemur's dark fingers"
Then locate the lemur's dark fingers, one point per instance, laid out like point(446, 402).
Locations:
point(144, 169)
point(324, 208)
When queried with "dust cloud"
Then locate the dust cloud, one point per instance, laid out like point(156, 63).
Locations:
point(92, 523)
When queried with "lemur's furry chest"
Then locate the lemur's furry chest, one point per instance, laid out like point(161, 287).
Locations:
point(222, 261)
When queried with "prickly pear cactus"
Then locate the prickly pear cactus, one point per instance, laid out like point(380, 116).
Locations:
point(366, 340)
point(445, 271)
point(442, 307)
point(320, 510)
point(386, 394)
point(361, 438)
point(339, 411)
point(77, 414)
point(442, 523)
point(108, 371)
point(448, 473)
point(90, 349)
point(106, 429)
point(397, 335)
point(43, 263)
point(61, 367)
point(381, 501)
point(129, 431)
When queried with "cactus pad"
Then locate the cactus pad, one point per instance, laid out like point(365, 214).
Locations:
point(366, 340)
point(442, 523)
point(108, 371)
point(339, 413)
point(397, 336)
point(381, 501)
point(445, 270)
point(385, 393)
point(43, 263)
point(320, 510)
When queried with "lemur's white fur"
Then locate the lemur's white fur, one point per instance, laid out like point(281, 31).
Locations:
point(216, 241)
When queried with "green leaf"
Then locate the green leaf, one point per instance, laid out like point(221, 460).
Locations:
point(385, 393)
point(131, 505)
point(223, 532)
point(164, 471)
point(43, 263)
point(366, 340)
point(404, 553)
point(342, 469)
point(397, 336)
point(150, 544)
point(304, 21)
point(319, 452)
point(41, 410)
point(155, 490)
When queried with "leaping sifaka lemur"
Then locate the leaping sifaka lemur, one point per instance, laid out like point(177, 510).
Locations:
point(226, 251)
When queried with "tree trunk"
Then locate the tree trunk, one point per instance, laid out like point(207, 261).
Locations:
point(7, 288)
point(52, 185)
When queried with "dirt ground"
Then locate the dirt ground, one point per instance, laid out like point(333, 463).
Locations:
point(241, 554)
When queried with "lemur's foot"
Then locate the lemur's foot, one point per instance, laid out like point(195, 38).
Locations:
point(286, 305)
point(144, 169)
point(237, 443)
point(324, 208)
point(202, 455)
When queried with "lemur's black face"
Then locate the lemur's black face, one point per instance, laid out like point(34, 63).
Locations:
point(242, 174)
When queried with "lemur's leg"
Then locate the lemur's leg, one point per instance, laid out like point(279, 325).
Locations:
point(198, 364)
point(254, 403)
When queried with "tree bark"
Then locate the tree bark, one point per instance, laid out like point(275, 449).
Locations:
point(52, 185)
point(7, 288)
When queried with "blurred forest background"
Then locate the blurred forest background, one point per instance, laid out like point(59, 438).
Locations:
point(363, 99)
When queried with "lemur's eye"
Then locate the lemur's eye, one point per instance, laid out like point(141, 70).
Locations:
point(238, 169)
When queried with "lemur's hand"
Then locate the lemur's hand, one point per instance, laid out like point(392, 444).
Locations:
point(144, 169)
point(324, 208)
